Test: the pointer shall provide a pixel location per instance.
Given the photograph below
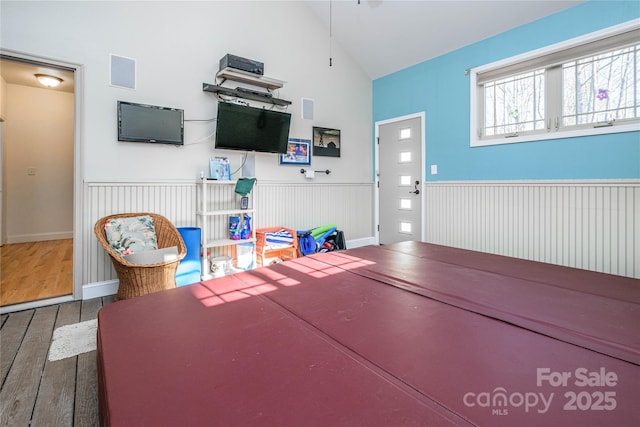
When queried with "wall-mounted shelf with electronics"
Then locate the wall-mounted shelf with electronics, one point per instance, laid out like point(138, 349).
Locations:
point(207, 87)
point(247, 77)
point(246, 93)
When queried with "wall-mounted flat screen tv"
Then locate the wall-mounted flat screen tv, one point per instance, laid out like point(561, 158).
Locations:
point(150, 123)
point(240, 127)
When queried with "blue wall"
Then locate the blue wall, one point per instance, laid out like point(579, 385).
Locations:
point(440, 89)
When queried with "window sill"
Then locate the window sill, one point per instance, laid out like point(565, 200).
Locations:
point(632, 127)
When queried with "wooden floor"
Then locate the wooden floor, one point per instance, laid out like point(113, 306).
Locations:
point(36, 270)
point(35, 391)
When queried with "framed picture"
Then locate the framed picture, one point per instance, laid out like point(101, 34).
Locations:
point(326, 142)
point(298, 152)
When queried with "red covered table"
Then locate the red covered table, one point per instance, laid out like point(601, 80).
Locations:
point(405, 334)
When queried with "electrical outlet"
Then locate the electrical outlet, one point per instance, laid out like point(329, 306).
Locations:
point(434, 169)
point(31, 171)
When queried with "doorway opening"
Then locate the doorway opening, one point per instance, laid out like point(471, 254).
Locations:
point(37, 181)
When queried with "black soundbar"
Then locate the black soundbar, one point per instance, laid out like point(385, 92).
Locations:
point(207, 87)
point(254, 92)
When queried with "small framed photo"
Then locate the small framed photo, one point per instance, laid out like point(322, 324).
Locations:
point(298, 152)
point(244, 203)
point(326, 142)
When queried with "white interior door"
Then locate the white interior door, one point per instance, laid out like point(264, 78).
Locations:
point(400, 172)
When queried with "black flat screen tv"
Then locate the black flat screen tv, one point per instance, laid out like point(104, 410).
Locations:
point(150, 123)
point(240, 127)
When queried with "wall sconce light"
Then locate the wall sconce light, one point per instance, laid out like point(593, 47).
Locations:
point(48, 81)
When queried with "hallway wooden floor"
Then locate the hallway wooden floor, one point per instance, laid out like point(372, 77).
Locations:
point(35, 270)
point(35, 391)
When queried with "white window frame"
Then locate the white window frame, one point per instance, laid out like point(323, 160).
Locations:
point(474, 122)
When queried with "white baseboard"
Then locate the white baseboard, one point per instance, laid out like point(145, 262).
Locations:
point(365, 241)
point(99, 289)
point(40, 237)
point(35, 304)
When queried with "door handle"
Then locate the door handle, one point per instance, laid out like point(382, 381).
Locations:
point(415, 191)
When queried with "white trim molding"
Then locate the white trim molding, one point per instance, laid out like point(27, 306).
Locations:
point(39, 237)
point(35, 304)
point(376, 168)
point(99, 289)
point(78, 168)
point(554, 49)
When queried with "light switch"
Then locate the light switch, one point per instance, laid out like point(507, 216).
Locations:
point(434, 169)
point(31, 171)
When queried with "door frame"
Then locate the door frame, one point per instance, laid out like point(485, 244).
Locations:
point(376, 198)
point(78, 173)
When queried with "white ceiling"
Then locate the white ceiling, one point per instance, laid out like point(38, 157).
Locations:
point(22, 73)
point(385, 36)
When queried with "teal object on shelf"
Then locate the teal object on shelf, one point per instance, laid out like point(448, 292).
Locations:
point(244, 186)
point(189, 269)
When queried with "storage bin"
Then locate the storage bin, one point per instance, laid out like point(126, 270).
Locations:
point(189, 269)
point(266, 255)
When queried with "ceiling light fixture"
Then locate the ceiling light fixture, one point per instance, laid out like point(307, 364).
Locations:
point(48, 81)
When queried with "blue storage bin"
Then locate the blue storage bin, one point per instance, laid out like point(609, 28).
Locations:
point(190, 268)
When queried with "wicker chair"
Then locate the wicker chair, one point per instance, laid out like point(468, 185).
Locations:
point(141, 279)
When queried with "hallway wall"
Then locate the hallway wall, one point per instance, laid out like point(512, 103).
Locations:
point(39, 138)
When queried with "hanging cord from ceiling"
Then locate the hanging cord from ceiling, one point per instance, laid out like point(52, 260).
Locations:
point(330, 33)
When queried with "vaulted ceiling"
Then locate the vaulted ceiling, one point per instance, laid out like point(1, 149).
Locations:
point(385, 36)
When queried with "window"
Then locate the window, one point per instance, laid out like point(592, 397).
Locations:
point(601, 88)
point(585, 86)
point(514, 104)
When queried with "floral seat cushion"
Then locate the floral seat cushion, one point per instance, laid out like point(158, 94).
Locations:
point(129, 235)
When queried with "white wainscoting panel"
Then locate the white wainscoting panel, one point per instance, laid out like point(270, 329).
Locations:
point(297, 206)
point(175, 200)
point(305, 206)
point(592, 225)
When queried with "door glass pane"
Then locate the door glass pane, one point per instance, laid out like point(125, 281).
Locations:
point(405, 133)
point(405, 179)
point(405, 156)
point(405, 227)
point(405, 204)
